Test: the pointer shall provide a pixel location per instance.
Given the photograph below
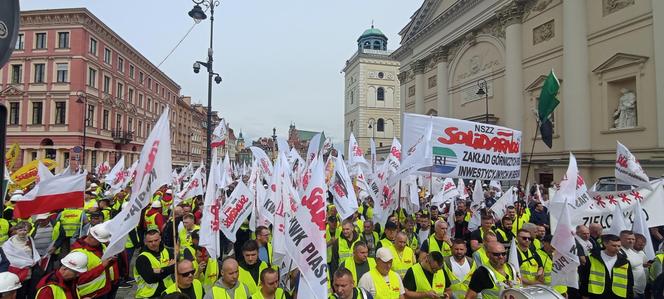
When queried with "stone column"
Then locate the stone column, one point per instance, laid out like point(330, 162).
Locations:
point(511, 16)
point(658, 31)
point(442, 82)
point(403, 95)
point(576, 91)
point(418, 68)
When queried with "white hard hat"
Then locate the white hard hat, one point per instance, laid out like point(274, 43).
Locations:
point(76, 261)
point(41, 216)
point(16, 197)
point(169, 191)
point(18, 191)
point(93, 185)
point(100, 233)
point(156, 204)
point(9, 282)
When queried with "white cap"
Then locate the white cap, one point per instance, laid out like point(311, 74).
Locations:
point(9, 282)
point(100, 233)
point(384, 254)
point(41, 216)
point(169, 191)
point(76, 261)
point(18, 191)
point(156, 204)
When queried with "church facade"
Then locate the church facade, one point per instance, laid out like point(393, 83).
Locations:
point(603, 52)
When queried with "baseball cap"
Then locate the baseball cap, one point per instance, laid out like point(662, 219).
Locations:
point(384, 254)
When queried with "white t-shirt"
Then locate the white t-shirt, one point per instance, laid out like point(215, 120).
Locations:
point(366, 282)
point(460, 271)
point(609, 261)
point(636, 260)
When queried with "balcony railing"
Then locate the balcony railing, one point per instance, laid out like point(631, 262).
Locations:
point(122, 137)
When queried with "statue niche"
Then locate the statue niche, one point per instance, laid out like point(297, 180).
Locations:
point(625, 114)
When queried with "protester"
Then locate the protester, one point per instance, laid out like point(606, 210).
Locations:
point(229, 286)
point(382, 282)
point(459, 268)
point(344, 286)
point(186, 283)
point(61, 283)
point(426, 279)
point(493, 278)
point(154, 266)
point(251, 266)
point(607, 274)
point(269, 286)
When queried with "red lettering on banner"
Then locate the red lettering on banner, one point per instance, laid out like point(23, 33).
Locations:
point(214, 223)
point(395, 152)
point(622, 161)
point(152, 156)
point(357, 151)
point(599, 201)
point(316, 205)
point(478, 140)
point(231, 213)
point(448, 186)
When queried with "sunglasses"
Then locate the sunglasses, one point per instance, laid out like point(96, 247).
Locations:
point(499, 254)
point(190, 273)
point(526, 238)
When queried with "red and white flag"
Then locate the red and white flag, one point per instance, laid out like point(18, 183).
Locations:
point(210, 224)
point(152, 172)
point(283, 197)
point(219, 134)
point(393, 160)
point(448, 192)
point(628, 168)
point(355, 153)
point(305, 233)
point(130, 174)
point(235, 210)
point(116, 176)
point(314, 147)
point(102, 168)
point(193, 188)
point(52, 193)
point(342, 190)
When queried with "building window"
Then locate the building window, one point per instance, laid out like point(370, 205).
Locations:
point(118, 121)
point(131, 71)
point(140, 129)
point(120, 64)
point(63, 40)
point(91, 116)
point(104, 122)
point(20, 42)
point(93, 47)
point(37, 109)
point(149, 105)
point(120, 91)
point(17, 73)
point(140, 100)
point(92, 77)
point(380, 94)
point(140, 78)
point(60, 112)
point(39, 72)
point(93, 157)
point(411, 91)
point(107, 84)
point(130, 95)
point(380, 125)
point(352, 97)
point(156, 107)
point(62, 72)
point(14, 112)
point(40, 40)
point(107, 55)
point(130, 124)
point(150, 83)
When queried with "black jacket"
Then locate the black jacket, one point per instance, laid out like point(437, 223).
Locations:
point(584, 277)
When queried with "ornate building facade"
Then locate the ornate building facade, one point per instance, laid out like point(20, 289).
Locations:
point(372, 96)
point(603, 52)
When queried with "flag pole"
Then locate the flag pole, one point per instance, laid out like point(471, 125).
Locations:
point(532, 151)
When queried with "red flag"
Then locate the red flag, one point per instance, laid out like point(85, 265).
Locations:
point(52, 194)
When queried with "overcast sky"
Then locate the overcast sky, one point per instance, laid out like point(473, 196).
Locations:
point(280, 60)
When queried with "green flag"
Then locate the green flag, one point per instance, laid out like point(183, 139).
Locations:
point(547, 98)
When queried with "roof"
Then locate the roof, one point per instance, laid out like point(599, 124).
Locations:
point(372, 32)
point(307, 135)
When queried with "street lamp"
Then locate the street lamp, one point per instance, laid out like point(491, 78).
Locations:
point(83, 99)
point(198, 15)
point(371, 127)
point(484, 91)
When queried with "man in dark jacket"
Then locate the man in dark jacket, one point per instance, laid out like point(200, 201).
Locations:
point(607, 274)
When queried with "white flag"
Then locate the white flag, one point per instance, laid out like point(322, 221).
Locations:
point(628, 169)
point(565, 257)
point(193, 188)
point(115, 176)
point(130, 174)
point(513, 258)
point(461, 186)
point(236, 209)
point(476, 205)
point(226, 173)
point(500, 207)
point(102, 168)
point(617, 221)
point(219, 134)
point(419, 155)
point(209, 233)
point(641, 227)
point(314, 147)
point(355, 152)
point(152, 172)
point(448, 192)
point(394, 158)
point(305, 235)
point(342, 190)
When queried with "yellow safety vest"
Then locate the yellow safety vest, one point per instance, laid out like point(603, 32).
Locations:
point(246, 278)
point(279, 294)
point(184, 236)
point(4, 230)
point(70, 220)
point(401, 263)
point(548, 267)
point(147, 290)
point(413, 243)
point(386, 243)
point(383, 290)
point(458, 285)
point(483, 257)
point(329, 237)
point(99, 282)
point(211, 273)
point(345, 251)
point(596, 281)
point(523, 219)
point(221, 293)
point(58, 292)
point(499, 281)
point(350, 265)
point(433, 246)
point(151, 221)
point(198, 289)
point(422, 283)
point(528, 265)
point(652, 275)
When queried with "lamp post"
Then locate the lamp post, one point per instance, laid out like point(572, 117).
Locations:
point(484, 91)
point(83, 99)
point(198, 15)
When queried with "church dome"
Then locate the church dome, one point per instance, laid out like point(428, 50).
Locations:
point(375, 32)
point(372, 39)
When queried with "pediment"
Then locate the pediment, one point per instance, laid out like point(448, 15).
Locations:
point(620, 60)
point(420, 19)
point(538, 82)
point(11, 90)
point(107, 101)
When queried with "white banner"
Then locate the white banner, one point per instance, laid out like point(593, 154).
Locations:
point(628, 168)
point(209, 233)
point(465, 149)
point(235, 210)
point(342, 190)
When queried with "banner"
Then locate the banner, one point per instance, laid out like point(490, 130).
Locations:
point(597, 207)
point(27, 174)
point(152, 172)
point(219, 134)
point(342, 190)
point(465, 149)
point(235, 210)
point(12, 155)
point(193, 188)
point(565, 259)
point(628, 168)
point(209, 233)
